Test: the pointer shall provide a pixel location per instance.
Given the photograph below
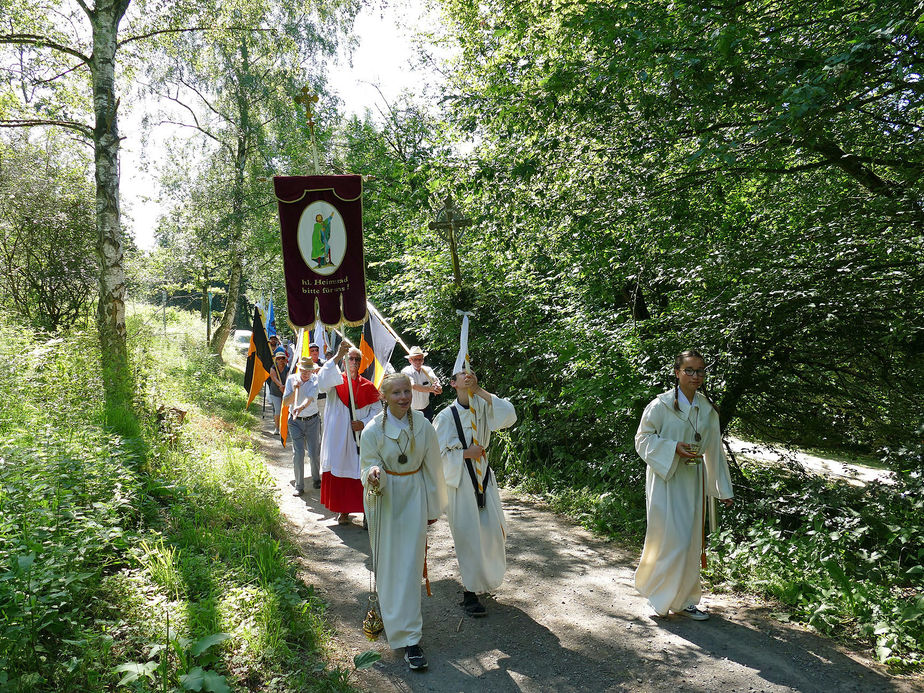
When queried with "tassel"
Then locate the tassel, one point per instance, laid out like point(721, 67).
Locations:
point(426, 579)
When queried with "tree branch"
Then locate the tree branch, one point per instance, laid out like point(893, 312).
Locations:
point(84, 130)
point(141, 37)
point(42, 42)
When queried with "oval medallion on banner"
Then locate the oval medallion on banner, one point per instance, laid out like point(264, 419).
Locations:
point(322, 238)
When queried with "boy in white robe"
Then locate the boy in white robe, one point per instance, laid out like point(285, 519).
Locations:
point(476, 517)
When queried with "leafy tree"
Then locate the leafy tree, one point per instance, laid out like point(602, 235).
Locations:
point(237, 93)
point(47, 272)
point(743, 178)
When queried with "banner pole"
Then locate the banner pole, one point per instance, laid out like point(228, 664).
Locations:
point(352, 397)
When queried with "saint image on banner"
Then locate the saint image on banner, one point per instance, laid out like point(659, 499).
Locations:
point(322, 238)
point(320, 219)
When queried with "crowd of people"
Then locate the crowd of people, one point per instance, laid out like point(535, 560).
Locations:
point(375, 451)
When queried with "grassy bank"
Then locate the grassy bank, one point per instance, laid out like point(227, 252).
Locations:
point(152, 554)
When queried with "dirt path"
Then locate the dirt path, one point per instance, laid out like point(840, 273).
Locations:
point(567, 618)
point(852, 473)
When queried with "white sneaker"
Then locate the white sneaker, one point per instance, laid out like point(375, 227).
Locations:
point(694, 613)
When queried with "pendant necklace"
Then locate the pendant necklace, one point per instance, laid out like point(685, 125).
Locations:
point(696, 436)
point(402, 458)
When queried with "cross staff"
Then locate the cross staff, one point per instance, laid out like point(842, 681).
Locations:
point(449, 223)
point(307, 99)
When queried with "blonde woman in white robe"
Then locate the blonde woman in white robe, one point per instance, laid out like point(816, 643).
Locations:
point(680, 441)
point(476, 519)
point(403, 477)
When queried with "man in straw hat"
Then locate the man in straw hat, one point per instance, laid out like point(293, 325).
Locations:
point(301, 396)
point(423, 382)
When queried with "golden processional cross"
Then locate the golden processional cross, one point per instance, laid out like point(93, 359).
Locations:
point(308, 100)
point(450, 224)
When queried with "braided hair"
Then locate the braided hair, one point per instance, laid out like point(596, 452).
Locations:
point(678, 362)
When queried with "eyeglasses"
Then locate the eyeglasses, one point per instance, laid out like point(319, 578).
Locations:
point(354, 358)
point(701, 372)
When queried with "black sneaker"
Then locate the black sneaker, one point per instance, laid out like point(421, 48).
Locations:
point(414, 657)
point(472, 605)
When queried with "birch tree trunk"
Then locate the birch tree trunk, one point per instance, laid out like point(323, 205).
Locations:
point(110, 318)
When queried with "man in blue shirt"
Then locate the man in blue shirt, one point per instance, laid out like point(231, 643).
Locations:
point(301, 396)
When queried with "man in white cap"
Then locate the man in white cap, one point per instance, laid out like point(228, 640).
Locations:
point(301, 396)
point(423, 382)
point(314, 351)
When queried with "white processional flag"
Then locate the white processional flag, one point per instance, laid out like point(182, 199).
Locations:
point(463, 363)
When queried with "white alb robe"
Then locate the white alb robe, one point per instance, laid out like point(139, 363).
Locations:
point(338, 445)
point(479, 535)
point(669, 569)
point(412, 494)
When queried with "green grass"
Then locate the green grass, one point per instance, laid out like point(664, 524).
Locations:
point(132, 543)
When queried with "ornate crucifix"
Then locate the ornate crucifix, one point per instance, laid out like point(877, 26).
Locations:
point(307, 99)
point(450, 225)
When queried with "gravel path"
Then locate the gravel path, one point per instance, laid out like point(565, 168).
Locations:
point(567, 618)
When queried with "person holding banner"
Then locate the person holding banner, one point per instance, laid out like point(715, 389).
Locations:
point(345, 416)
point(423, 381)
point(476, 518)
point(276, 383)
point(680, 440)
point(314, 351)
point(301, 396)
point(405, 492)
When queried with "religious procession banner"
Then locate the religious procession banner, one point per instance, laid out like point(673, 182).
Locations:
point(320, 218)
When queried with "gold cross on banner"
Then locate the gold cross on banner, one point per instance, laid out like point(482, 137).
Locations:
point(308, 100)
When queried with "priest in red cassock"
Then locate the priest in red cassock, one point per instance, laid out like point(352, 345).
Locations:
point(341, 488)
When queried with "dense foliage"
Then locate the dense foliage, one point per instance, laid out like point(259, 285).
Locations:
point(47, 266)
point(142, 553)
point(846, 560)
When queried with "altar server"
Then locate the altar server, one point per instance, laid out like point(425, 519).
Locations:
point(476, 517)
point(680, 441)
point(405, 492)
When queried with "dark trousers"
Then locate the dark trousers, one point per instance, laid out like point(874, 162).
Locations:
point(428, 411)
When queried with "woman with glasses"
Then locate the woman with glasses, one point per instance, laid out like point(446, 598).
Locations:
point(341, 489)
point(680, 441)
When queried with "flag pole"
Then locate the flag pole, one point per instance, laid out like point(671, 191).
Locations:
point(350, 388)
point(388, 327)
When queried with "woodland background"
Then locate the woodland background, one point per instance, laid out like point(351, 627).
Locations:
point(744, 178)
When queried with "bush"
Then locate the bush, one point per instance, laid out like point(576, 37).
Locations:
point(846, 560)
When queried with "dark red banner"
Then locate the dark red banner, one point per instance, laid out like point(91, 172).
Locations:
point(321, 218)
